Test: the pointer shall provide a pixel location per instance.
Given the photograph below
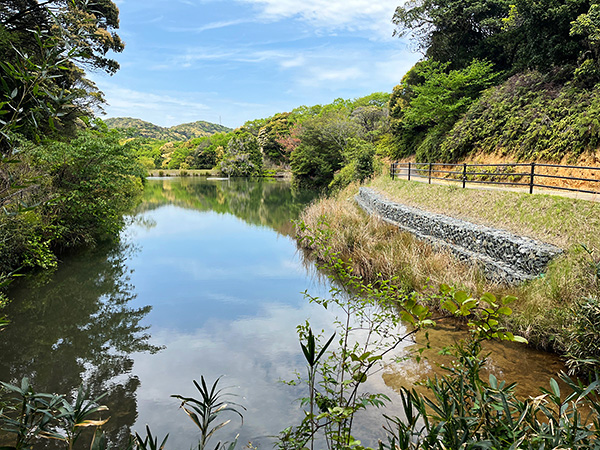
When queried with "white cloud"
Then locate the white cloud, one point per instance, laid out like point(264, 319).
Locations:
point(296, 61)
point(125, 99)
point(208, 26)
point(161, 109)
point(345, 74)
point(333, 14)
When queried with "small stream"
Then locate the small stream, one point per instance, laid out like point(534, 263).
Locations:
point(205, 280)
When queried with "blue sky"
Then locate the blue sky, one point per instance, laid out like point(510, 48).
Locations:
point(232, 61)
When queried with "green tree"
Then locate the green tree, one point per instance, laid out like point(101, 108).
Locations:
point(455, 31)
point(588, 26)
point(430, 100)
point(538, 35)
point(44, 48)
point(514, 35)
point(270, 135)
point(243, 156)
point(93, 181)
point(87, 26)
point(320, 152)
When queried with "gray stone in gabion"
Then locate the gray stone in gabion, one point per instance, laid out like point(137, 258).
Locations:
point(504, 256)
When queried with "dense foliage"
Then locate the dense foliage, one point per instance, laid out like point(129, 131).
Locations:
point(44, 49)
point(322, 145)
point(84, 188)
point(543, 54)
point(64, 181)
point(530, 119)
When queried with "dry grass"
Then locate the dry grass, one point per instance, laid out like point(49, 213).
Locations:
point(376, 247)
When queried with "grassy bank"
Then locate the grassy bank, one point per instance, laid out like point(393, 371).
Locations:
point(545, 311)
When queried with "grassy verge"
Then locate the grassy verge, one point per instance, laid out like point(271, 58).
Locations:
point(544, 311)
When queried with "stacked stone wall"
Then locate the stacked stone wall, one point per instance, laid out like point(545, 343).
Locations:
point(503, 256)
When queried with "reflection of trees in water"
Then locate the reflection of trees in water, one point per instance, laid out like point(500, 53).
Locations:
point(77, 323)
point(268, 203)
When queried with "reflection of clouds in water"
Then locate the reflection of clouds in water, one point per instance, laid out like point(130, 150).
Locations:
point(252, 352)
point(202, 270)
point(197, 269)
point(224, 298)
point(191, 221)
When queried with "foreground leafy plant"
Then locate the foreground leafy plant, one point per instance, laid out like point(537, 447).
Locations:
point(205, 410)
point(465, 411)
point(33, 418)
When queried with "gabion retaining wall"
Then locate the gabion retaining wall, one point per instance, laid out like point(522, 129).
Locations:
point(503, 256)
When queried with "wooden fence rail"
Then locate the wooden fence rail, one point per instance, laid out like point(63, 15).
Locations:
point(549, 176)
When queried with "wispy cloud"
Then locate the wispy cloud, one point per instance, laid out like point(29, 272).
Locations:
point(333, 14)
point(161, 109)
point(209, 26)
point(193, 55)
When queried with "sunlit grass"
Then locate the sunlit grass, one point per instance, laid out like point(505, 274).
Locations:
point(542, 312)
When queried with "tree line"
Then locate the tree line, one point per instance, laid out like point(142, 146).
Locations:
point(322, 145)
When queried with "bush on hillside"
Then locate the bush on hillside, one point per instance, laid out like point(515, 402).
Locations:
point(528, 118)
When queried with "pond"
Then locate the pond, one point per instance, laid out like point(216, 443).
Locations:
point(206, 281)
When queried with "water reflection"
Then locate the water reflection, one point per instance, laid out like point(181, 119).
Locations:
point(224, 280)
point(264, 202)
point(508, 361)
point(225, 284)
point(226, 297)
point(79, 320)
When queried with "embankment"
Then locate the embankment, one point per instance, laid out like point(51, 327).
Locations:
point(503, 256)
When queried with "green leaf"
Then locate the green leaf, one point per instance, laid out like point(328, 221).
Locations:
point(407, 317)
point(508, 299)
point(460, 296)
point(361, 377)
point(504, 310)
point(488, 298)
point(450, 306)
point(554, 387)
point(419, 310)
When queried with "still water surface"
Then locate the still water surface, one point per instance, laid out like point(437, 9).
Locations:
point(206, 281)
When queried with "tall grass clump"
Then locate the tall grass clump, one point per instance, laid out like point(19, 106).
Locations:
point(376, 249)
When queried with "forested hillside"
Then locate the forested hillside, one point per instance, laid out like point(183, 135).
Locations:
point(130, 127)
point(514, 78)
point(322, 145)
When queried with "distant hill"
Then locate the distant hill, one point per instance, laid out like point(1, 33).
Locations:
point(139, 128)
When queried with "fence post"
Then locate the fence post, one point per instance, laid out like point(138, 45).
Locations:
point(531, 178)
point(409, 171)
point(430, 164)
point(392, 168)
point(464, 175)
